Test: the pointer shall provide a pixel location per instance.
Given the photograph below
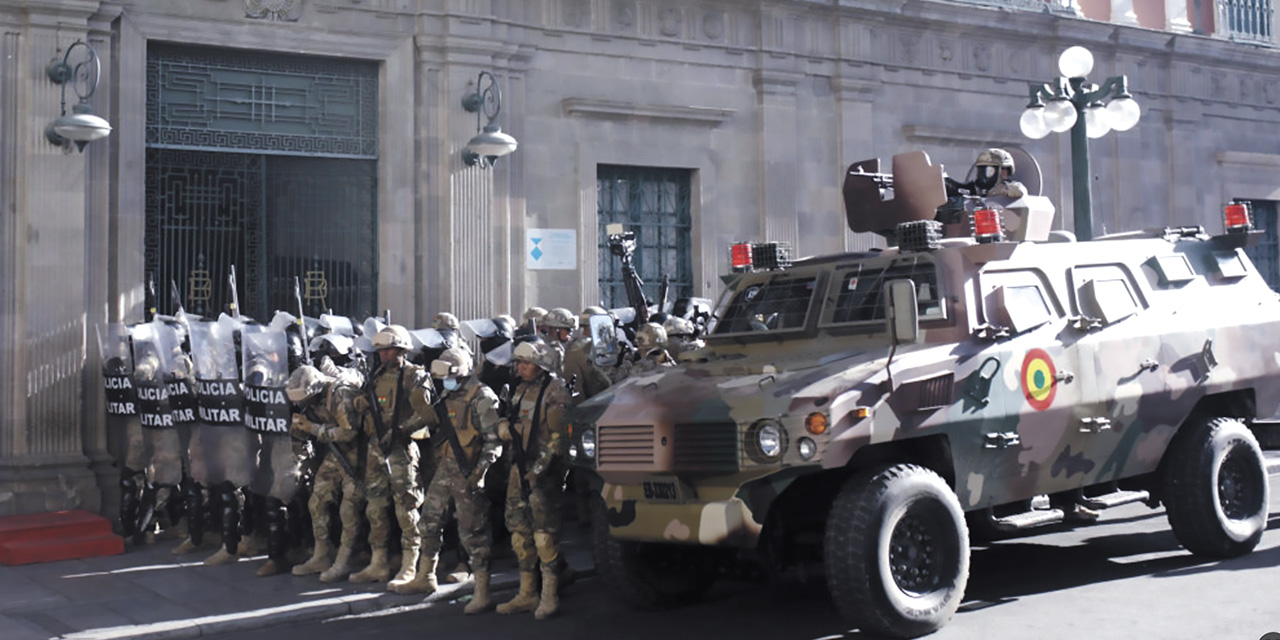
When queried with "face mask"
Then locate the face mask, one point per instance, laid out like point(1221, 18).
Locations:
point(451, 384)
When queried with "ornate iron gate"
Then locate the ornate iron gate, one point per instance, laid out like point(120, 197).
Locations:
point(266, 162)
point(655, 204)
point(1266, 254)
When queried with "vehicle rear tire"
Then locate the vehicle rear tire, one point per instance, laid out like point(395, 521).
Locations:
point(649, 575)
point(1215, 488)
point(896, 551)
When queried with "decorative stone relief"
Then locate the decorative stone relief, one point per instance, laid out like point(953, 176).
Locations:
point(1271, 91)
point(669, 21)
point(909, 44)
point(713, 25)
point(279, 10)
point(944, 52)
point(577, 13)
point(982, 58)
point(624, 15)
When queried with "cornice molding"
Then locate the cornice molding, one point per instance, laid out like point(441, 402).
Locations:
point(967, 136)
point(609, 109)
point(1247, 158)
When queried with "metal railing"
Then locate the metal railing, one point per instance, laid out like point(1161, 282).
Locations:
point(1246, 20)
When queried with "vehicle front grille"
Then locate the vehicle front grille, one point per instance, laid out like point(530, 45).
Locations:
point(626, 447)
point(708, 446)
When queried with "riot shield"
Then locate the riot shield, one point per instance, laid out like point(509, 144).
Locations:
point(228, 447)
point(179, 379)
point(268, 412)
point(336, 324)
point(152, 342)
point(604, 340)
point(117, 382)
point(370, 328)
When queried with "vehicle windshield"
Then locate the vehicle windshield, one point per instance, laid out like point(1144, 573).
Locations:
point(779, 304)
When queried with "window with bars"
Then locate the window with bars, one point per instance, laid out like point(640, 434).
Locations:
point(1266, 254)
point(655, 204)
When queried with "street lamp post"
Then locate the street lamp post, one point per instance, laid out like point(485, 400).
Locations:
point(1072, 102)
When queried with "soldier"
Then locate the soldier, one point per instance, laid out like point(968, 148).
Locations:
point(651, 351)
point(587, 379)
point(324, 411)
point(397, 397)
point(531, 320)
point(995, 170)
point(681, 336)
point(537, 429)
point(465, 440)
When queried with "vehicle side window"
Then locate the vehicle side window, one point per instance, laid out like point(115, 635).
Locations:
point(859, 291)
point(778, 304)
point(1105, 292)
point(1019, 299)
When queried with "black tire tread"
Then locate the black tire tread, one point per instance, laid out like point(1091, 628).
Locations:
point(1187, 487)
point(857, 594)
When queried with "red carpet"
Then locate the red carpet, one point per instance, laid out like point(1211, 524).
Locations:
point(57, 535)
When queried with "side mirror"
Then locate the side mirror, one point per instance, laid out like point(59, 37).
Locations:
point(901, 313)
point(604, 340)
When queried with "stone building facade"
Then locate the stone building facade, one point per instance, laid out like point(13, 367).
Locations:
point(760, 104)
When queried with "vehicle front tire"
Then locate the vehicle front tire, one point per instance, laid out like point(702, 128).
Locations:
point(1215, 488)
point(896, 551)
point(649, 575)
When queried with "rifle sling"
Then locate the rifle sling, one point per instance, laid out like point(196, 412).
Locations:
point(523, 445)
point(446, 425)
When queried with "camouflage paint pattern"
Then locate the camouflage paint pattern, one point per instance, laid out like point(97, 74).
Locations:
point(336, 424)
point(589, 379)
point(401, 487)
point(545, 461)
point(473, 412)
point(1039, 368)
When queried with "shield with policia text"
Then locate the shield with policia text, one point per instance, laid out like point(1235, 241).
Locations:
point(267, 410)
point(228, 446)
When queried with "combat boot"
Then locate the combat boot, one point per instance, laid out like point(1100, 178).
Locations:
point(424, 580)
point(186, 546)
point(408, 569)
point(550, 603)
point(526, 599)
point(459, 574)
point(318, 562)
point(377, 571)
point(221, 557)
point(480, 599)
point(341, 567)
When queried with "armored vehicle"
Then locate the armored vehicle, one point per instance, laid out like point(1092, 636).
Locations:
point(863, 412)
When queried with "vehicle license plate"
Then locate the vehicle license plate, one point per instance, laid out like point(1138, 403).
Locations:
point(662, 490)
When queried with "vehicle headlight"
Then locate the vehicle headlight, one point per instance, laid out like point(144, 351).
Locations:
point(766, 441)
point(807, 448)
point(587, 441)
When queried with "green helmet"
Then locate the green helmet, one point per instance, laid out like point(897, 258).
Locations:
point(535, 314)
point(560, 318)
point(996, 158)
point(304, 383)
point(650, 336)
point(445, 320)
point(452, 363)
point(392, 337)
point(539, 353)
point(585, 318)
point(677, 326)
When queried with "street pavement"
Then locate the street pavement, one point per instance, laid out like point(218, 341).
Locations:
point(148, 593)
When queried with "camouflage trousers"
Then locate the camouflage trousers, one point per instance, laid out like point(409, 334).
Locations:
point(162, 453)
point(402, 489)
point(534, 525)
point(449, 485)
point(331, 483)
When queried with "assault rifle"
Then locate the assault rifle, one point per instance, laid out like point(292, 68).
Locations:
point(302, 325)
point(518, 449)
point(623, 244)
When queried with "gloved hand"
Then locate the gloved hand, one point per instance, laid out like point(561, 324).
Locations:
point(476, 479)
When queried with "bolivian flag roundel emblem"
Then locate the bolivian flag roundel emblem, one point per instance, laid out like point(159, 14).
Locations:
point(1038, 379)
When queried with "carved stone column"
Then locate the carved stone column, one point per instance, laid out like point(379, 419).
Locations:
point(780, 156)
point(45, 204)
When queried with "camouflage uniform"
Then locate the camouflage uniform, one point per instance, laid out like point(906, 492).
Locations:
point(333, 421)
point(580, 367)
point(402, 393)
point(535, 523)
point(473, 412)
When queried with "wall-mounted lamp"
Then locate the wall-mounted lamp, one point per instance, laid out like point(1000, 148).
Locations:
point(82, 126)
point(489, 143)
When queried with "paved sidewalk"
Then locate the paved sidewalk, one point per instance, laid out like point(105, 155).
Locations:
point(149, 593)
